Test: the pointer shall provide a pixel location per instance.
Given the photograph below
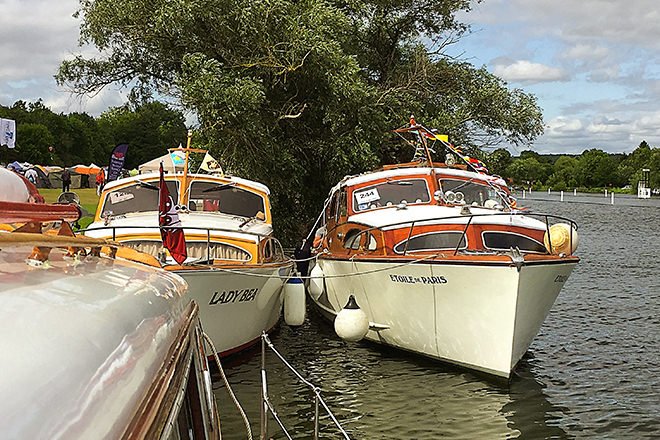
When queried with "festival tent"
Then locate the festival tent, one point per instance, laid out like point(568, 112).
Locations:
point(154, 165)
point(42, 180)
point(87, 169)
point(78, 180)
point(15, 165)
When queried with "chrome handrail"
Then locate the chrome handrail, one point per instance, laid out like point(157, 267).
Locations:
point(470, 216)
point(267, 406)
point(260, 237)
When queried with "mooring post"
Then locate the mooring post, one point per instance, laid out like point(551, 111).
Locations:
point(264, 407)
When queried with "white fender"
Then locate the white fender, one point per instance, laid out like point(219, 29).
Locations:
point(351, 323)
point(294, 302)
point(315, 286)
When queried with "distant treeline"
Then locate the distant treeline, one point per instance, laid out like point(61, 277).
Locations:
point(47, 138)
point(592, 169)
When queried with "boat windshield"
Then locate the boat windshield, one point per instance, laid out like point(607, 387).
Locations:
point(391, 192)
point(226, 198)
point(472, 193)
point(139, 197)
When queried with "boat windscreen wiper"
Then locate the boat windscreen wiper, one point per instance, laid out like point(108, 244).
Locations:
point(147, 185)
point(219, 187)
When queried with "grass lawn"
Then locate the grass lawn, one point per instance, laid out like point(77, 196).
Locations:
point(88, 200)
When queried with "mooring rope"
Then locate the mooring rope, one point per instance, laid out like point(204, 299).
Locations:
point(229, 389)
point(309, 277)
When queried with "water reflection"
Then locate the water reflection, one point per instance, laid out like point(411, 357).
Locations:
point(380, 393)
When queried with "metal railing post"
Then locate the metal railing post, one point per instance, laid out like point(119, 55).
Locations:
point(208, 245)
point(316, 416)
point(264, 391)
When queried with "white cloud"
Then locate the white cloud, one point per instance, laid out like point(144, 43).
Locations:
point(528, 72)
point(563, 126)
point(65, 102)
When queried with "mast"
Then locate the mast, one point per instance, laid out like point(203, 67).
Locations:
point(184, 180)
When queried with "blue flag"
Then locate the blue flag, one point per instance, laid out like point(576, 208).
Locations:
point(116, 164)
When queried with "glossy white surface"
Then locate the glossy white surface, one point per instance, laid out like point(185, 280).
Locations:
point(479, 316)
point(81, 342)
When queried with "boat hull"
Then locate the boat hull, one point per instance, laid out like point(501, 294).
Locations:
point(479, 316)
point(237, 304)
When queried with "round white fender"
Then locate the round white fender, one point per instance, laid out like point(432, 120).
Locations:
point(315, 286)
point(294, 302)
point(351, 323)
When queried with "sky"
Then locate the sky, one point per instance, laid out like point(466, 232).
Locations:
point(592, 64)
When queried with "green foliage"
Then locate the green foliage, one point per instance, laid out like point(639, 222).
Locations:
point(78, 138)
point(592, 169)
point(297, 94)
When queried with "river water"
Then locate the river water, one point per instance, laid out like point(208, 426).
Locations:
point(593, 371)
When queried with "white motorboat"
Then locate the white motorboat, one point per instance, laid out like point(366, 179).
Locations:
point(95, 343)
point(235, 267)
point(440, 260)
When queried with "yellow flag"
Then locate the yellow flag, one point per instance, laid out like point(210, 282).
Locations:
point(210, 165)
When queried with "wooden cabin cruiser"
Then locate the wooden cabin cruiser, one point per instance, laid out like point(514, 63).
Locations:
point(235, 267)
point(441, 262)
point(96, 343)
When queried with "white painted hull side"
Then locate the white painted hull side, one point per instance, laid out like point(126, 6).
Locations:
point(236, 305)
point(483, 317)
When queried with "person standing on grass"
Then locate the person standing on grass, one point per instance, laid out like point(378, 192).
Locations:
point(100, 182)
point(66, 180)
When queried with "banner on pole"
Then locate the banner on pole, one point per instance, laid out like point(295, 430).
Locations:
point(117, 159)
point(8, 132)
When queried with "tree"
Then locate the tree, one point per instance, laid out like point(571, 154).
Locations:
point(149, 129)
point(298, 94)
point(595, 168)
point(525, 170)
point(35, 139)
point(498, 161)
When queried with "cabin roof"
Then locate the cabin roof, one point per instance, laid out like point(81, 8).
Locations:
point(415, 171)
point(194, 177)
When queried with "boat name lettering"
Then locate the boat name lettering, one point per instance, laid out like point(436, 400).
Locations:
point(232, 296)
point(409, 279)
point(561, 278)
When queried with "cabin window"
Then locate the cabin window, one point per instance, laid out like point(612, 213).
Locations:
point(433, 241)
point(342, 209)
point(504, 241)
point(470, 192)
point(354, 238)
point(332, 207)
point(225, 198)
point(139, 197)
point(391, 193)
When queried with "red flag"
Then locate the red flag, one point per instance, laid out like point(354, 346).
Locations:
point(173, 238)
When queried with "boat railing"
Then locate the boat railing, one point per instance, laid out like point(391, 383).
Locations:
point(423, 222)
point(268, 408)
point(260, 237)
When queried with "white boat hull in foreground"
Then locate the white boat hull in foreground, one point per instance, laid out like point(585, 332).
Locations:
point(479, 316)
point(236, 305)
